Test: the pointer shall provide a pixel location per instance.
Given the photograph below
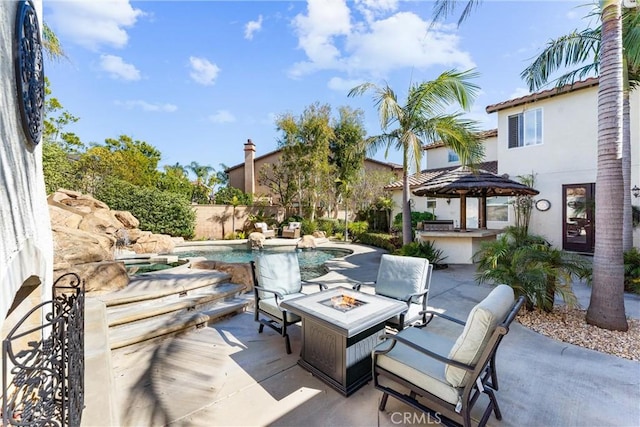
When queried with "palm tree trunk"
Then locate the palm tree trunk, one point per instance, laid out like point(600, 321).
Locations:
point(627, 221)
point(606, 307)
point(406, 207)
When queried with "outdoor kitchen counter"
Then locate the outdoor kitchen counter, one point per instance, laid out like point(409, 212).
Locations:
point(458, 246)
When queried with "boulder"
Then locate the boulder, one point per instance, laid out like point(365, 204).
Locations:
point(240, 272)
point(319, 234)
point(153, 243)
point(84, 200)
point(256, 240)
point(79, 247)
point(101, 277)
point(64, 217)
point(127, 219)
point(306, 242)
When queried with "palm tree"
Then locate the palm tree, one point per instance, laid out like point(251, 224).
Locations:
point(582, 48)
point(606, 307)
point(424, 119)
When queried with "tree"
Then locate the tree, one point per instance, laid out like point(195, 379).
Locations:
point(606, 306)
point(202, 188)
point(280, 179)
point(581, 48)
point(423, 119)
point(305, 149)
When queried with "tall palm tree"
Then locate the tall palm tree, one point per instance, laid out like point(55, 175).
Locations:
point(582, 48)
point(606, 307)
point(424, 119)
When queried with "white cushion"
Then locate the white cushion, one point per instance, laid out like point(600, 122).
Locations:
point(269, 305)
point(278, 272)
point(263, 226)
point(481, 323)
point(294, 225)
point(418, 368)
point(399, 276)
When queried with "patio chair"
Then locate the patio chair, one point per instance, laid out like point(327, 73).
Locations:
point(263, 228)
point(448, 386)
point(276, 277)
point(292, 231)
point(407, 279)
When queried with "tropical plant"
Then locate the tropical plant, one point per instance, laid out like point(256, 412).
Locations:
point(531, 266)
point(416, 217)
point(632, 270)
point(423, 119)
point(425, 249)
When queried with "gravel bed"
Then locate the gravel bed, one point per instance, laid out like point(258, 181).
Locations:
point(569, 325)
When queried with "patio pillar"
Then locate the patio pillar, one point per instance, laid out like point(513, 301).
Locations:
point(463, 209)
point(482, 212)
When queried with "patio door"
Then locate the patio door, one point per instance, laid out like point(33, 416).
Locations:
point(578, 227)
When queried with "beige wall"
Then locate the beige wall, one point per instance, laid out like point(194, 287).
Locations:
point(216, 221)
point(26, 246)
point(439, 157)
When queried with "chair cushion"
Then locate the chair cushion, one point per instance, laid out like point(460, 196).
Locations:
point(399, 276)
point(268, 305)
point(278, 272)
point(294, 225)
point(263, 226)
point(418, 368)
point(481, 323)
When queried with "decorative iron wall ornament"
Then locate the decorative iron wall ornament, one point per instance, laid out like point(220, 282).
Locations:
point(43, 384)
point(28, 63)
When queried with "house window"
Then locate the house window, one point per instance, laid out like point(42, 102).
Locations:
point(498, 208)
point(431, 203)
point(453, 156)
point(525, 128)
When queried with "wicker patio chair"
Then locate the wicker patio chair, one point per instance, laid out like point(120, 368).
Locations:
point(276, 277)
point(292, 231)
point(263, 228)
point(448, 386)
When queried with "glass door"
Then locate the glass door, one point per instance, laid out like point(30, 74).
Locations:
point(578, 217)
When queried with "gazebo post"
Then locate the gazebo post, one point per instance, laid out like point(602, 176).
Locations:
point(482, 212)
point(463, 209)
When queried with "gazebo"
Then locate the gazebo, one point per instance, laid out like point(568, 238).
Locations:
point(466, 182)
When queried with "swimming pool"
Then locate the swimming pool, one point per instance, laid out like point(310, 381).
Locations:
point(311, 260)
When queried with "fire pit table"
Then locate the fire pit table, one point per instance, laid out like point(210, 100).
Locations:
point(340, 327)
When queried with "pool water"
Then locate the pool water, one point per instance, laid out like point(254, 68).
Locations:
point(311, 261)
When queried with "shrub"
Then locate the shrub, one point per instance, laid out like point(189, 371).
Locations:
point(356, 229)
point(381, 240)
point(327, 225)
point(160, 212)
point(415, 218)
point(426, 250)
point(632, 271)
point(308, 227)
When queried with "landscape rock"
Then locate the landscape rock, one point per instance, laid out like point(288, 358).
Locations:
point(307, 242)
point(104, 276)
point(154, 243)
point(240, 272)
point(256, 240)
point(127, 219)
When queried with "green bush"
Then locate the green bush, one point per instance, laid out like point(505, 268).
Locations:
point(632, 271)
point(381, 240)
point(327, 225)
point(356, 229)
point(308, 227)
point(426, 250)
point(160, 212)
point(415, 218)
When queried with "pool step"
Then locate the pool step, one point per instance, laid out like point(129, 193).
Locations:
point(157, 305)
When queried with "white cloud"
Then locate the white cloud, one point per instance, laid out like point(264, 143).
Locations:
point(343, 85)
point(93, 23)
point(519, 92)
point(222, 116)
point(252, 27)
point(118, 69)
point(146, 106)
point(332, 40)
point(203, 71)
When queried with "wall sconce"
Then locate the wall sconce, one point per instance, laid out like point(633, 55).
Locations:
point(635, 191)
point(448, 201)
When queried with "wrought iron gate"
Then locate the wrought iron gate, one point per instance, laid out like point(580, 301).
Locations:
point(43, 384)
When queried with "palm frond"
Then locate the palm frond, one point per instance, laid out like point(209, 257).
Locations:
point(450, 87)
point(565, 51)
point(443, 8)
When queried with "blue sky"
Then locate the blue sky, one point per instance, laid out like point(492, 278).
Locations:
point(196, 79)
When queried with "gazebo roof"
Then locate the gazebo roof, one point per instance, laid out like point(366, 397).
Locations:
point(472, 183)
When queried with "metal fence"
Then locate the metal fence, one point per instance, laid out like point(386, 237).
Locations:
point(43, 382)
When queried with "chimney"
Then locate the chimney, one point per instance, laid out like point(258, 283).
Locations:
point(249, 167)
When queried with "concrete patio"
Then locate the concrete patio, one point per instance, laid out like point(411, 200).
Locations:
point(229, 375)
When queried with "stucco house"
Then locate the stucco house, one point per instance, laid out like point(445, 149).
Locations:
point(553, 135)
point(245, 175)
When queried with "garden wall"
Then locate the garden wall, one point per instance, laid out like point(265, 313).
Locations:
point(217, 221)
